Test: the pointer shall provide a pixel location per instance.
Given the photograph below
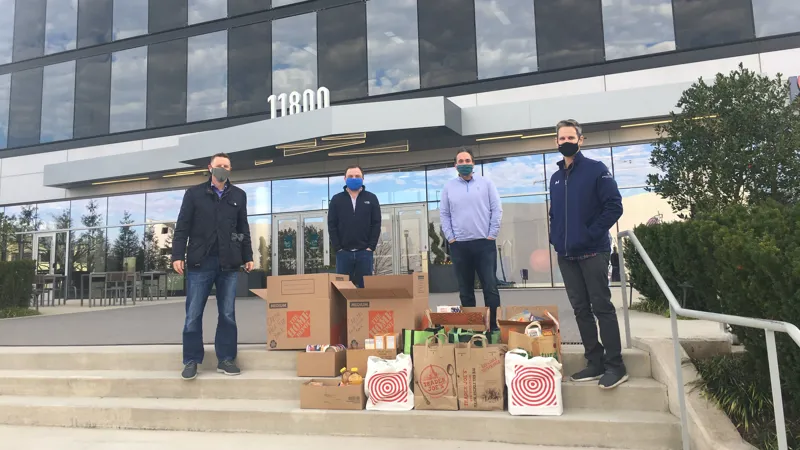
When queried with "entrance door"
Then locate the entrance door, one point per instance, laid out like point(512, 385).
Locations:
point(300, 243)
point(403, 245)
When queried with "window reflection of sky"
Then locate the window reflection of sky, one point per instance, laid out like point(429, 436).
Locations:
point(294, 54)
point(128, 90)
point(506, 37)
point(6, 32)
point(80, 208)
point(390, 188)
point(632, 165)
point(392, 46)
point(58, 102)
point(50, 213)
point(164, 206)
point(637, 27)
point(774, 17)
point(61, 26)
point(305, 194)
point(207, 10)
point(207, 77)
point(517, 175)
point(5, 96)
point(258, 197)
point(130, 18)
point(119, 205)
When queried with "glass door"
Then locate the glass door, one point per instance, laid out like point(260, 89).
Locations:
point(304, 252)
point(315, 245)
point(284, 243)
point(44, 252)
point(384, 259)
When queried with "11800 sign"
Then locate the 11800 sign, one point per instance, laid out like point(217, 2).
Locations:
point(296, 103)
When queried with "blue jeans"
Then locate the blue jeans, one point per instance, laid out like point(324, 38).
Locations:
point(478, 256)
point(198, 287)
point(356, 264)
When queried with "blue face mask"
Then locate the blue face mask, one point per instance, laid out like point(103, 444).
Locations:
point(354, 184)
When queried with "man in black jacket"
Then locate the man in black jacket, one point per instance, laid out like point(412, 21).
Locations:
point(213, 218)
point(354, 224)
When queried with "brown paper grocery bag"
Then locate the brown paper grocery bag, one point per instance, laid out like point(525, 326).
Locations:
point(524, 341)
point(480, 375)
point(435, 375)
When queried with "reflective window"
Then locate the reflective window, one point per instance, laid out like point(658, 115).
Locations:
point(6, 31)
point(277, 3)
point(523, 244)
point(125, 248)
point(164, 206)
point(126, 209)
point(54, 216)
point(712, 22)
point(207, 76)
point(89, 251)
point(439, 176)
point(299, 195)
point(261, 237)
point(25, 111)
point(166, 87)
point(89, 212)
point(158, 246)
point(58, 102)
point(258, 197)
point(632, 165)
point(5, 96)
point(562, 41)
point(128, 90)
point(167, 15)
point(446, 42)
point(343, 51)
point(94, 22)
point(517, 175)
point(249, 69)
point(61, 28)
point(238, 7)
point(294, 54)
point(92, 95)
point(637, 27)
point(506, 36)
point(773, 17)
point(392, 46)
point(207, 10)
point(130, 18)
point(21, 218)
point(389, 187)
point(29, 19)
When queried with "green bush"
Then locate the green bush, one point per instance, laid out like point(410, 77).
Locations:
point(16, 283)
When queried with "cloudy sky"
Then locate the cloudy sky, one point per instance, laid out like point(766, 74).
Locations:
point(5, 93)
point(61, 26)
point(130, 18)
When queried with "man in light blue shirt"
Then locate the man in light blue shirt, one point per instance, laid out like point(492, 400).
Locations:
point(470, 211)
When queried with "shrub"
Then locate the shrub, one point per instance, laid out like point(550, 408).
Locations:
point(16, 283)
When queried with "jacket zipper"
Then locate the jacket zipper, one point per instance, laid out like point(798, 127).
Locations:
point(566, 209)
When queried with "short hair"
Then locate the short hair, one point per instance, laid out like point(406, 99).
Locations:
point(464, 150)
point(219, 155)
point(354, 166)
point(572, 123)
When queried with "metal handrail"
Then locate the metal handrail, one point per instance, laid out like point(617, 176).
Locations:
point(675, 309)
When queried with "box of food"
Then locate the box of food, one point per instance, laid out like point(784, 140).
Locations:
point(468, 318)
point(517, 318)
point(327, 394)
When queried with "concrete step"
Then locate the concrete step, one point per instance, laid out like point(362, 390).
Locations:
point(251, 357)
point(640, 394)
point(578, 427)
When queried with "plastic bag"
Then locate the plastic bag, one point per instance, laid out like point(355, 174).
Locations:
point(534, 385)
point(388, 384)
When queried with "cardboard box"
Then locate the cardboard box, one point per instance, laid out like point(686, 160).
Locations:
point(386, 304)
point(358, 358)
point(332, 396)
point(304, 310)
point(470, 318)
point(549, 342)
point(320, 364)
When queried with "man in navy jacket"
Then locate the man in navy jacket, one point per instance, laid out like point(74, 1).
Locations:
point(584, 204)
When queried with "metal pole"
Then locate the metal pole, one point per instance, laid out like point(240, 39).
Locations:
point(777, 396)
point(624, 280)
point(676, 345)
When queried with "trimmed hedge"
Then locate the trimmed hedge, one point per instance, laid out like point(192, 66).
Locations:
point(16, 283)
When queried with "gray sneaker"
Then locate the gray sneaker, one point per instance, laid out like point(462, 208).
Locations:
point(610, 380)
point(588, 374)
point(189, 371)
point(228, 368)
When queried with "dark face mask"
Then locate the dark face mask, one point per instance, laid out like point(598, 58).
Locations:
point(568, 149)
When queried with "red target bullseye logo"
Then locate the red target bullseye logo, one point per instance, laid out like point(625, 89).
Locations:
point(388, 387)
point(533, 386)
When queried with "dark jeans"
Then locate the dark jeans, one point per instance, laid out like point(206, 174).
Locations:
point(479, 256)
point(586, 282)
point(356, 264)
point(198, 287)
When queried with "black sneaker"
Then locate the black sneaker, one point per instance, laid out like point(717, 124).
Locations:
point(189, 371)
point(610, 380)
point(228, 368)
point(588, 374)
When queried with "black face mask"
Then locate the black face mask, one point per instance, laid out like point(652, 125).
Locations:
point(568, 149)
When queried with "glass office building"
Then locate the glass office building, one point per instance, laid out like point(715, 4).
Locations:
point(109, 109)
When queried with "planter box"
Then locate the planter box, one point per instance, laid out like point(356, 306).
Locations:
point(442, 278)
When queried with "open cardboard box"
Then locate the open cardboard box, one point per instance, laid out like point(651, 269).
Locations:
point(332, 396)
point(470, 318)
point(320, 364)
point(549, 342)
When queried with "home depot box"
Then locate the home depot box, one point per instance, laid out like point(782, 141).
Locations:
point(386, 304)
point(320, 364)
point(304, 310)
point(549, 342)
point(327, 394)
point(470, 318)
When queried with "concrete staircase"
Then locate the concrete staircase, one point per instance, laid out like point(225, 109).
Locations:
point(140, 388)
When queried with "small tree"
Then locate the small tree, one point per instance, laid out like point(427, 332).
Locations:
point(734, 142)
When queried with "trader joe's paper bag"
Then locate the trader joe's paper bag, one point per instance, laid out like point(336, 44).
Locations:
point(480, 375)
point(435, 375)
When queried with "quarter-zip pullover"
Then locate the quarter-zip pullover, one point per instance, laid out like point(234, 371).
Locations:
point(470, 210)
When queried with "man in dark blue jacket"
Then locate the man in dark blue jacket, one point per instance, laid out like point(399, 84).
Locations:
point(584, 204)
point(354, 224)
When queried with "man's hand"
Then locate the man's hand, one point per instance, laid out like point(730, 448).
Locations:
point(451, 241)
point(248, 266)
point(369, 249)
point(491, 238)
point(178, 266)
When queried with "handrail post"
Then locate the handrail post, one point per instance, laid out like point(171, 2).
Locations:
point(676, 345)
point(623, 278)
point(777, 395)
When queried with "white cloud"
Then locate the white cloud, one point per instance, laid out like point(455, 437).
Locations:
point(637, 27)
point(61, 26)
point(294, 59)
point(392, 46)
point(207, 76)
point(6, 31)
point(58, 102)
point(506, 37)
point(207, 10)
point(773, 17)
point(130, 18)
point(128, 90)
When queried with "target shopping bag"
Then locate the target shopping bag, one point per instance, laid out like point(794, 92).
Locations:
point(388, 384)
point(534, 385)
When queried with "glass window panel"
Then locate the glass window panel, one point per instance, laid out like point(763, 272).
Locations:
point(163, 206)
point(294, 54)
point(774, 17)
point(392, 46)
point(207, 10)
point(447, 42)
point(25, 112)
point(124, 209)
point(343, 51)
point(92, 95)
point(258, 197)
point(517, 175)
point(128, 90)
point(21, 218)
point(207, 77)
point(437, 177)
point(632, 165)
point(564, 43)
point(524, 243)
point(167, 15)
point(637, 27)
point(54, 216)
point(306, 194)
point(89, 212)
point(94, 22)
point(261, 237)
point(58, 102)
point(6, 31)
point(389, 187)
point(506, 37)
point(249, 69)
point(125, 248)
point(61, 27)
point(712, 22)
point(239, 7)
point(5, 97)
point(29, 19)
point(158, 247)
point(129, 19)
point(89, 250)
point(277, 3)
point(166, 83)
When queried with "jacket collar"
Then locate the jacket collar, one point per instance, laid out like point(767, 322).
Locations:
point(578, 157)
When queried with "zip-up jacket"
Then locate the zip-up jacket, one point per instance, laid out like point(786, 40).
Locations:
point(357, 229)
point(210, 222)
point(584, 204)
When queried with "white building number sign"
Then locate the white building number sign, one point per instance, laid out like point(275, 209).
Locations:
point(296, 103)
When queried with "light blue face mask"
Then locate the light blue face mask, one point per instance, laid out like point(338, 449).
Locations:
point(354, 184)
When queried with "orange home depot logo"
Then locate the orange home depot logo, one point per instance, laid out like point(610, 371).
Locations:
point(298, 324)
point(381, 322)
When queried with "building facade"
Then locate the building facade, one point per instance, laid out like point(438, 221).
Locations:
point(109, 109)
